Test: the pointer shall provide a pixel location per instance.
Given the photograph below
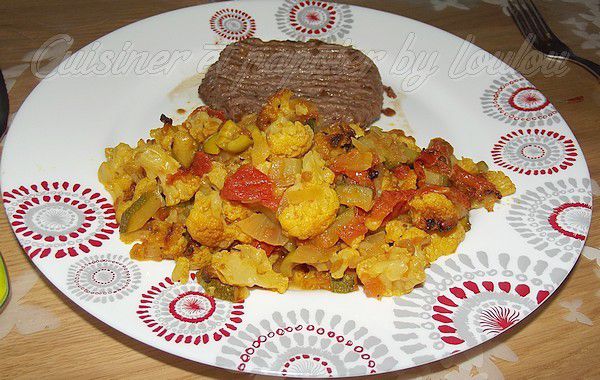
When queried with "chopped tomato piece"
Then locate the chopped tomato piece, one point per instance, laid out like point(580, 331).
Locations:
point(268, 248)
point(437, 158)
point(401, 171)
point(354, 228)
point(201, 164)
point(474, 186)
point(250, 185)
point(389, 205)
point(360, 178)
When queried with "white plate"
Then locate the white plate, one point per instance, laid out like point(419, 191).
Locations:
point(511, 261)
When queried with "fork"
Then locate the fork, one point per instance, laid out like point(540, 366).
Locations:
point(530, 22)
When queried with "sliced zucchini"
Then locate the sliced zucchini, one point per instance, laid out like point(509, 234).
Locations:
point(348, 283)
point(184, 148)
point(141, 211)
point(214, 287)
point(239, 144)
point(210, 145)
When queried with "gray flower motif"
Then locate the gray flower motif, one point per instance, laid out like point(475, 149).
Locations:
point(468, 299)
point(514, 100)
point(103, 278)
point(308, 344)
point(303, 20)
point(554, 218)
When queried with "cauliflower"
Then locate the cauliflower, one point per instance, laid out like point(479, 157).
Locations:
point(307, 209)
point(289, 139)
point(217, 174)
point(156, 161)
point(165, 241)
point(433, 211)
point(342, 260)
point(205, 222)
point(181, 189)
point(400, 233)
point(234, 211)
point(501, 182)
point(120, 171)
point(201, 258)
point(201, 125)
point(283, 105)
point(319, 172)
point(392, 273)
point(248, 266)
point(444, 243)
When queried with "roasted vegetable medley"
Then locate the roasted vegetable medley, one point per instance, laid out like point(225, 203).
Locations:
point(269, 202)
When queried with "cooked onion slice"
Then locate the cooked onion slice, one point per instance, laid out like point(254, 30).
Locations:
point(262, 228)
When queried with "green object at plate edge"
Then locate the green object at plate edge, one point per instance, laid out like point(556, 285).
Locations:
point(3, 282)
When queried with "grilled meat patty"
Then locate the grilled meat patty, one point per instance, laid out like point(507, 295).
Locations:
point(343, 82)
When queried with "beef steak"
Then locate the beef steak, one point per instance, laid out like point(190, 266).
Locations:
point(343, 82)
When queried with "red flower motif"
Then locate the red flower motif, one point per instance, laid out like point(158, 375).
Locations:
point(59, 218)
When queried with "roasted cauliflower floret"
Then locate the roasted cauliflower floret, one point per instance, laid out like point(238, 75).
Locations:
point(307, 210)
point(234, 211)
point(403, 234)
point(315, 170)
point(392, 273)
point(289, 139)
point(201, 125)
point(181, 189)
point(342, 260)
point(433, 212)
point(156, 161)
point(205, 222)
point(165, 241)
point(248, 266)
point(284, 105)
point(501, 182)
point(333, 140)
point(444, 243)
point(120, 172)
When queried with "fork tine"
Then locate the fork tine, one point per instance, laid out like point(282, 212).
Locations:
point(537, 15)
point(537, 18)
point(527, 19)
point(517, 17)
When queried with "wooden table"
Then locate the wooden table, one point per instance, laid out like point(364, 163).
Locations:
point(559, 341)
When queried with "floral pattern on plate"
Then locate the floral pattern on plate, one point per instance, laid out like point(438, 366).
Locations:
point(534, 152)
point(59, 219)
point(306, 343)
point(306, 19)
point(513, 100)
point(554, 218)
point(469, 298)
point(232, 24)
point(183, 313)
point(103, 278)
